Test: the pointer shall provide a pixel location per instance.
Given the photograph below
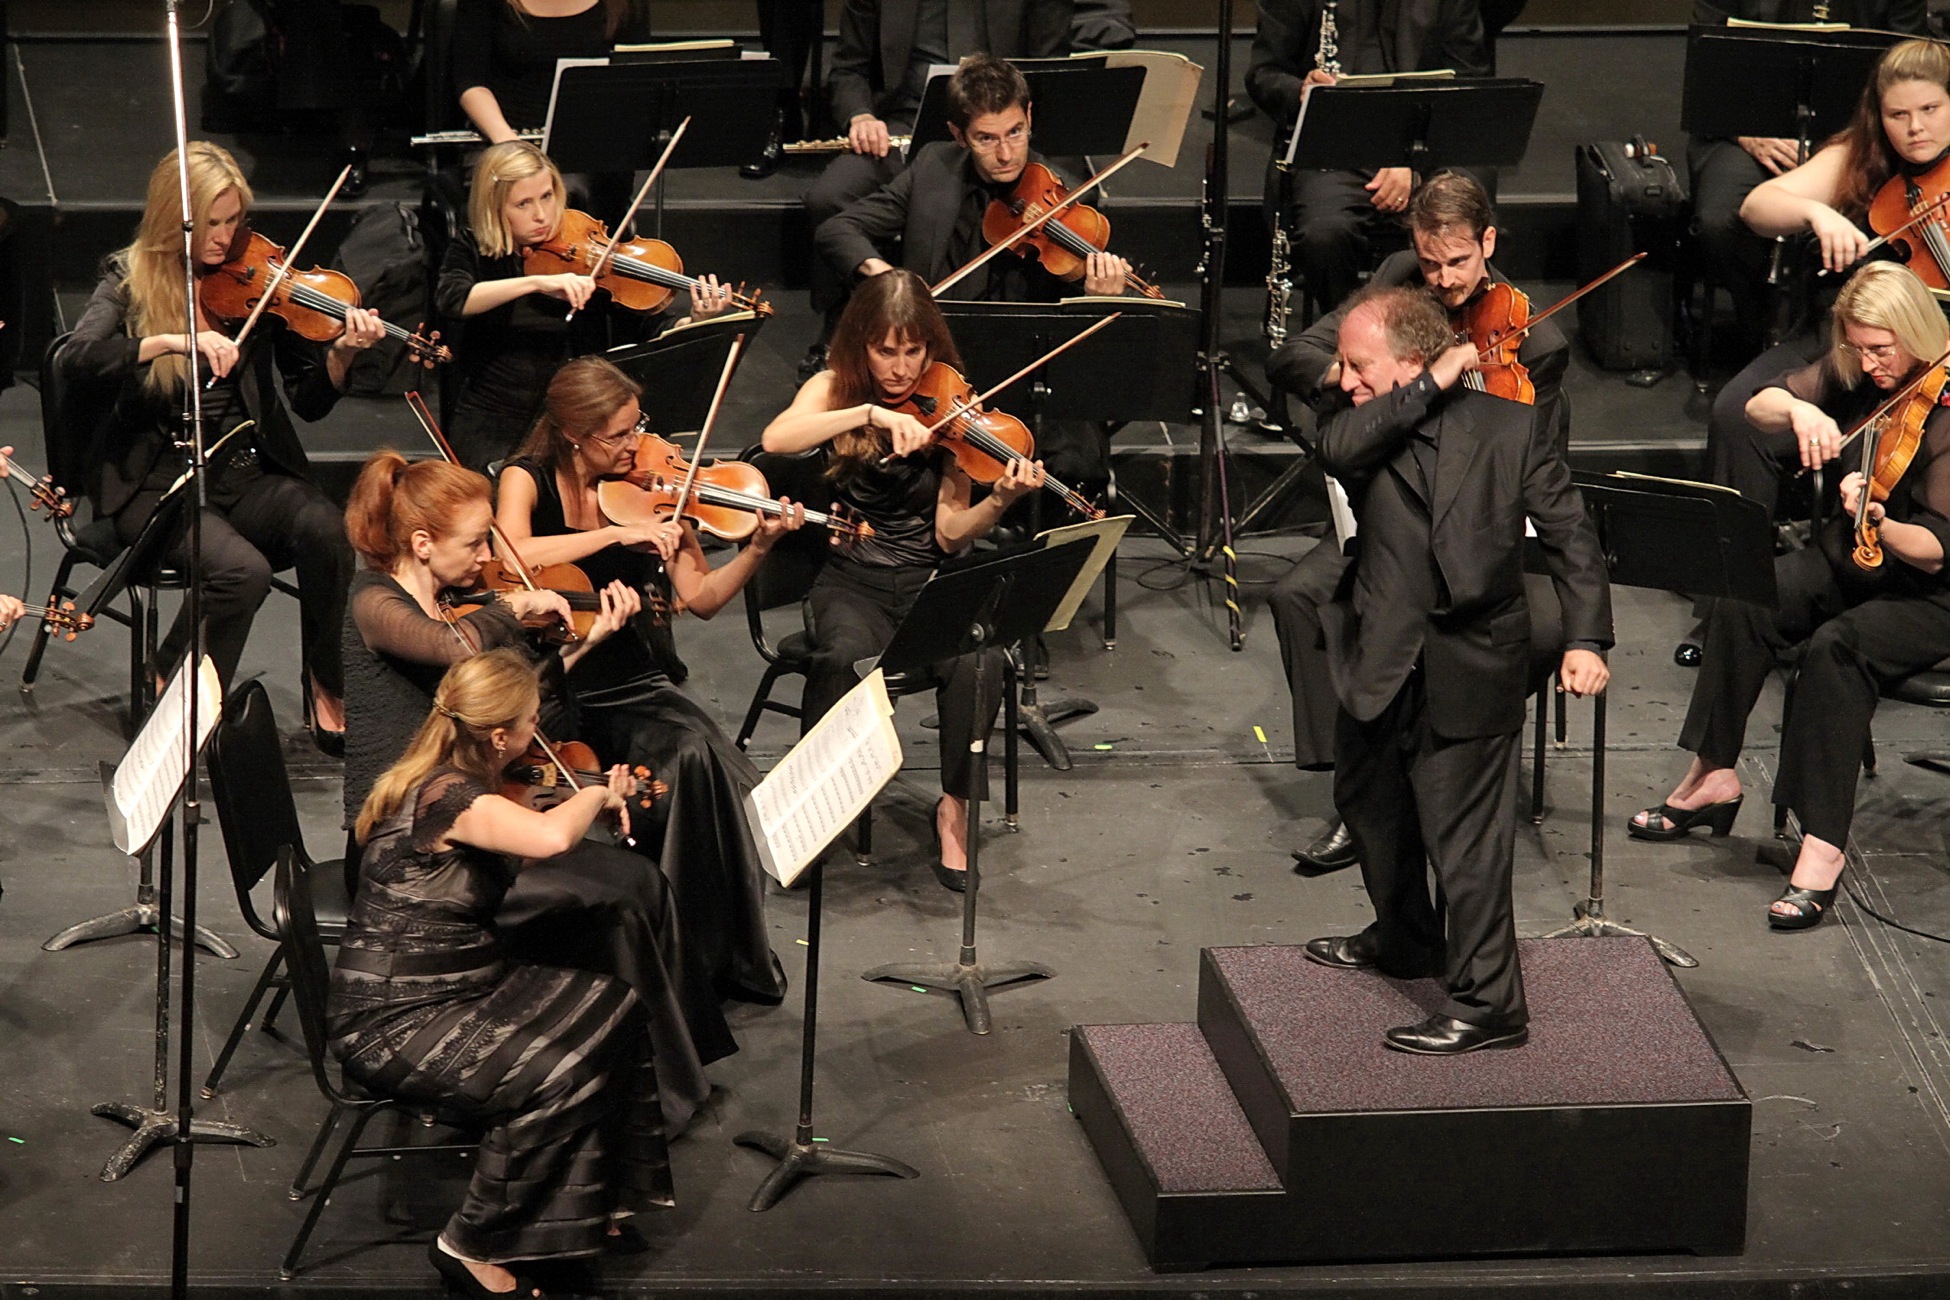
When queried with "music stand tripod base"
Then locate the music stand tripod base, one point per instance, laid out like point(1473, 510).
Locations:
point(154, 1126)
point(969, 979)
point(1590, 923)
point(803, 1157)
point(142, 917)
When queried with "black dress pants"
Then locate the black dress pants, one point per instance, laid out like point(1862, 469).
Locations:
point(1415, 801)
point(1732, 256)
point(275, 522)
point(1852, 646)
point(851, 615)
point(789, 29)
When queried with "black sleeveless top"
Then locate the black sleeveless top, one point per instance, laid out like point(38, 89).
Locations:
point(899, 502)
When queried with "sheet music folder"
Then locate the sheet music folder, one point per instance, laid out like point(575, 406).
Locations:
point(1674, 535)
point(679, 368)
point(1082, 106)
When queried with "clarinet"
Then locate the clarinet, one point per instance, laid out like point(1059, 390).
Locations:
point(1279, 270)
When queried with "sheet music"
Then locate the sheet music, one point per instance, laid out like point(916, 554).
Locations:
point(1108, 532)
point(1165, 103)
point(826, 781)
point(1341, 511)
point(145, 784)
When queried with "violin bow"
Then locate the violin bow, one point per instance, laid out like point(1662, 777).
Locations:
point(710, 418)
point(616, 235)
point(1576, 294)
point(1933, 208)
point(284, 264)
point(1030, 227)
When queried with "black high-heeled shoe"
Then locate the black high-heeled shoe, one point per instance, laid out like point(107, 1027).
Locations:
point(955, 882)
point(460, 1279)
point(1809, 905)
point(330, 743)
point(1716, 817)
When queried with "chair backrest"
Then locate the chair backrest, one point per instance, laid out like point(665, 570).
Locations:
point(252, 792)
point(795, 561)
point(68, 420)
point(295, 924)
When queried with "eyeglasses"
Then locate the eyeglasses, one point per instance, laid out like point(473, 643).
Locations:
point(1885, 353)
point(983, 142)
point(639, 430)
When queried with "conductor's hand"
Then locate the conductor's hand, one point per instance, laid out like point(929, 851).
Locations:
point(620, 604)
point(539, 606)
point(576, 290)
point(1390, 187)
point(1103, 275)
point(1019, 478)
point(1453, 364)
point(1816, 435)
point(1772, 152)
point(1583, 673)
point(790, 519)
point(1852, 498)
point(907, 434)
point(11, 608)
point(1842, 243)
point(709, 298)
point(867, 134)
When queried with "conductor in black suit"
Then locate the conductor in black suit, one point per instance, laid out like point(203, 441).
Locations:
point(1428, 639)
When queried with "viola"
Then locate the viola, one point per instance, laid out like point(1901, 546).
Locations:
point(313, 303)
point(1494, 323)
point(726, 499)
point(982, 442)
point(1888, 450)
point(42, 492)
point(62, 620)
point(640, 274)
point(1062, 244)
point(1909, 211)
point(535, 777)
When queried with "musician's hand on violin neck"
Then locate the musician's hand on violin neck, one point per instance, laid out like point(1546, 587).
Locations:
point(1104, 275)
point(1817, 437)
point(11, 608)
point(1852, 498)
point(867, 134)
point(709, 298)
point(576, 290)
point(1019, 479)
point(1390, 188)
point(1772, 152)
point(538, 606)
point(363, 328)
point(1842, 243)
point(620, 604)
point(772, 527)
point(617, 789)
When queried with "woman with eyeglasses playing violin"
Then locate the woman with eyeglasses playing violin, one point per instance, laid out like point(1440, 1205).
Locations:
point(265, 512)
point(1857, 627)
point(627, 691)
point(919, 503)
point(514, 328)
point(422, 530)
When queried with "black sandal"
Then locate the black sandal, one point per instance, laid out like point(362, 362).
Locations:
point(1679, 822)
point(460, 1279)
point(1809, 905)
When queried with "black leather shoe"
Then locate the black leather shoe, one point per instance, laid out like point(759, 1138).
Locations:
point(1687, 654)
point(1332, 851)
point(768, 159)
point(355, 182)
point(1346, 952)
point(1448, 1036)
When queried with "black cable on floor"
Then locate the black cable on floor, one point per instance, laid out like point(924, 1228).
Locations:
point(1889, 921)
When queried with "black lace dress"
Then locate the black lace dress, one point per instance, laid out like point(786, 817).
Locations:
point(428, 1004)
point(630, 707)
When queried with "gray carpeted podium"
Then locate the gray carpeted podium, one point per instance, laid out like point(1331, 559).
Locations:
point(1278, 1129)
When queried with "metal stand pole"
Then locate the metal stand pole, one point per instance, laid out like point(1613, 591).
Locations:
point(1215, 506)
point(806, 1156)
point(968, 978)
point(1589, 916)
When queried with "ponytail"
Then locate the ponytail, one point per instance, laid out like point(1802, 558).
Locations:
point(395, 498)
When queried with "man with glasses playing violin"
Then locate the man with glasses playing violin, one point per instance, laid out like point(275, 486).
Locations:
point(1453, 231)
point(934, 211)
point(1856, 627)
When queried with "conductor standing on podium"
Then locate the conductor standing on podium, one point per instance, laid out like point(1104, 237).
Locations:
point(1428, 640)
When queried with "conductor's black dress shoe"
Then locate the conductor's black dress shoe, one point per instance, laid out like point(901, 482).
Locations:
point(1332, 851)
point(1448, 1036)
point(1345, 952)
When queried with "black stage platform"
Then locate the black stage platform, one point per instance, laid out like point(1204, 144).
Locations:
point(1170, 835)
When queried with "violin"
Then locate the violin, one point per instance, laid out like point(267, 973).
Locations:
point(42, 492)
point(1908, 211)
point(1062, 244)
point(982, 442)
point(640, 274)
point(62, 620)
point(726, 500)
point(1494, 323)
point(1889, 447)
point(536, 774)
point(313, 303)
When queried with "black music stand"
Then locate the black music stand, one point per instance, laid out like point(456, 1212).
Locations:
point(1082, 107)
point(679, 368)
point(965, 612)
point(1796, 85)
point(1669, 535)
point(996, 339)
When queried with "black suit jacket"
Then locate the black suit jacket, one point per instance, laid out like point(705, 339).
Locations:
point(877, 38)
point(1419, 35)
point(1496, 465)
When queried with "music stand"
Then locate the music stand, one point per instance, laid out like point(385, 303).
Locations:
point(1082, 107)
point(966, 611)
point(1666, 534)
point(996, 339)
point(679, 368)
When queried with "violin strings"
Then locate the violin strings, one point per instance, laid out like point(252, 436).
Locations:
point(1077, 245)
point(326, 305)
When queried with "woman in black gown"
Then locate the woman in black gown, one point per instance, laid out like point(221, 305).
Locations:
point(626, 690)
point(422, 531)
point(428, 1004)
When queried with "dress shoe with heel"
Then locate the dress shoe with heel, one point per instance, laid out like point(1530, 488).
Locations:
point(330, 743)
point(1447, 1036)
point(1810, 905)
point(1679, 822)
point(955, 882)
point(769, 158)
point(461, 1281)
point(1332, 851)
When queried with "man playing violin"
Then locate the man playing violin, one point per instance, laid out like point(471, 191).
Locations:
point(1427, 641)
point(1453, 230)
point(1856, 628)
